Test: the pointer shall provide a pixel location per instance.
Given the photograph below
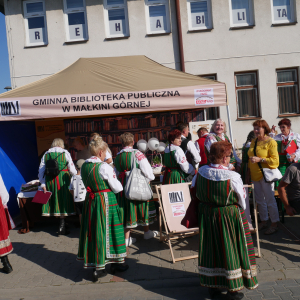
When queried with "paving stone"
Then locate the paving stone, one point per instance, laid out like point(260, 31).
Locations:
point(295, 290)
point(285, 282)
point(286, 296)
point(269, 294)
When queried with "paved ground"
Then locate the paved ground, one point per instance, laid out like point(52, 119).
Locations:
point(45, 267)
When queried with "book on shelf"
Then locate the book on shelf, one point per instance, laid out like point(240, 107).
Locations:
point(122, 124)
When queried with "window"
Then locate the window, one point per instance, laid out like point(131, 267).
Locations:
point(199, 12)
point(35, 23)
point(75, 20)
point(157, 16)
point(241, 13)
point(287, 89)
point(211, 113)
point(283, 11)
point(116, 18)
point(247, 95)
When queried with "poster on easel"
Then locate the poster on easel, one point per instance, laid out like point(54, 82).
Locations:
point(194, 126)
point(46, 132)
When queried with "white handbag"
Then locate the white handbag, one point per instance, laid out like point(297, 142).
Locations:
point(270, 175)
point(137, 188)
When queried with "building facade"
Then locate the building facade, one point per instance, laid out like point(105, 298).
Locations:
point(252, 46)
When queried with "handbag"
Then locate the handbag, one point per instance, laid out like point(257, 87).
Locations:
point(137, 188)
point(270, 175)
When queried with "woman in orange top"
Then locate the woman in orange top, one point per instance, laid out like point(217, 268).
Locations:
point(267, 155)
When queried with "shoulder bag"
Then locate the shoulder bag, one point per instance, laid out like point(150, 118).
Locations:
point(270, 175)
point(137, 188)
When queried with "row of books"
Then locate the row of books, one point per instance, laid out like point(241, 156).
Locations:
point(127, 122)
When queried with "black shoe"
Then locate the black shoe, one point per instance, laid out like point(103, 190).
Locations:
point(7, 268)
point(213, 292)
point(98, 274)
point(118, 268)
point(235, 296)
point(63, 230)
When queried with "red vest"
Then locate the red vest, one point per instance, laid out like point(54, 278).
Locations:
point(202, 150)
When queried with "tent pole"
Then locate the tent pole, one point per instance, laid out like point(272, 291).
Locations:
point(229, 123)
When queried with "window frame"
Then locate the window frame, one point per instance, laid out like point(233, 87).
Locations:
point(30, 15)
point(245, 88)
point(251, 16)
point(293, 14)
point(291, 83)
point(209, 13)
point(108, 7)
point(207, 76)
point(66, 12)
point(168, 19)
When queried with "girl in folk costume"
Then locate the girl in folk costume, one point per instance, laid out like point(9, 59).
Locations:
point(177, 167)
point(101, 239)
point(285, 139)
point(61, 202)
point(5, 225)
point(134, 213)
point(218, 134)
point(226, 251)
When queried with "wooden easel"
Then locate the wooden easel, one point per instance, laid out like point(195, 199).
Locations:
point(172, 235)
point(258, 254)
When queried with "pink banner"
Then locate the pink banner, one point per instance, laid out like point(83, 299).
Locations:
point(66, 106)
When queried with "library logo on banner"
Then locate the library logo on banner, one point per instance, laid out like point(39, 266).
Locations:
point(204, 96)
point(176, 197)
point(10, 108)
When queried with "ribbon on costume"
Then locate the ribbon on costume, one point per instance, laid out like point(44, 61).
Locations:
point(91, 198)
point(122, 177)
point(57, 179)
point(168, 170)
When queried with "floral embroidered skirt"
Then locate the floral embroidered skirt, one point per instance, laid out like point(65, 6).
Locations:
point(5, 243)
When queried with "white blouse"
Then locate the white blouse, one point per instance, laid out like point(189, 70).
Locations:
point(70, 163)
point(180, 158)
point(142, 161)
point(3, 192)
point(290, 137)
point(193, 150)
point(222, 173)
point(107, 173)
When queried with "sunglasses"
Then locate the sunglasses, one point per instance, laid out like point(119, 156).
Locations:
point(231, 155)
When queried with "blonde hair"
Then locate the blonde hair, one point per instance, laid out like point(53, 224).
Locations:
point(79, 141)
point(96, 145)
point(215, 123)
point(58, 143)
point(127, 138)
point(97, 135)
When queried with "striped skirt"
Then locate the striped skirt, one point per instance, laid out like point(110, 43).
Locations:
point(226, 251)
point(102, 239)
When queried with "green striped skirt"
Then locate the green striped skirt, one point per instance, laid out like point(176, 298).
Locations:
point(226, 251)
point(106, 241)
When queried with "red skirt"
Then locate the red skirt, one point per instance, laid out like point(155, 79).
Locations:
point(5, 225)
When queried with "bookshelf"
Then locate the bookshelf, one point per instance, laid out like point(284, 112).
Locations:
point(142, 126)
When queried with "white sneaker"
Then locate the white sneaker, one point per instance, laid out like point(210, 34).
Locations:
point(150, 234)
point(130, 241)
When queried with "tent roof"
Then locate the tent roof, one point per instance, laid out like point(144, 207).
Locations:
point(108, 75)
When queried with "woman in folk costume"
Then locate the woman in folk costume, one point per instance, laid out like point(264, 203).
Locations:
point(101, 239)
point(61, 203)
point(285, 139)
point(134, 213)
point(177, 167)
point(226, 251)
point(218, 134)
point(5, 226)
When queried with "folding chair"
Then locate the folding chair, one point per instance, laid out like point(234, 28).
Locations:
point(258, 254)
point(174, 230)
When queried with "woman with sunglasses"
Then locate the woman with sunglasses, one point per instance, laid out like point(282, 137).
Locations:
point(226, 253)
point(284, 140)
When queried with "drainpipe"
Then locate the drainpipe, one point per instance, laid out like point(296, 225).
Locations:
point(179, 30)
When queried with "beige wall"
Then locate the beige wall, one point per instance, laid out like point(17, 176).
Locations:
point(223, 51)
